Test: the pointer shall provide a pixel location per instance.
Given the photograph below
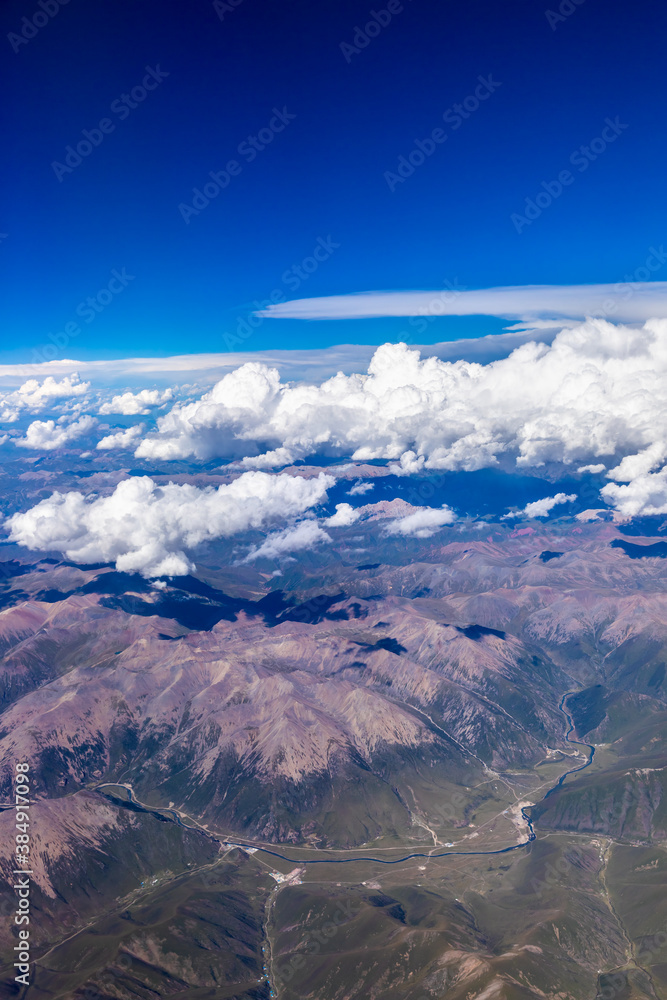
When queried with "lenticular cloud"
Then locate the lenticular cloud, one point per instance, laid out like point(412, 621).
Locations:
point(599, 391)
point(148, 529)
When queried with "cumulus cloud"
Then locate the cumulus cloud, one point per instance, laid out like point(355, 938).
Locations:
point(8, 414)
point(121, 439)
point(598, 391)
point(634, 466)
point(150, 529)
point(304, 535)
point(645, 495)
point(360, 488)
point(34, 396)
point(312, 363)
point(542, 508)
point(628, 304)
point(47, 435)
point(137, 403)
point(594, 469)
point(423, 523)
point(269, 460)
point(344, 516)
point(593, 398)
point(409, 464)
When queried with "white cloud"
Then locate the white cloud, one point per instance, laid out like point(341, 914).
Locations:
point(304, 535)
point(121, 439)
point(646, 495)
point(36, 395)
point(594, 470)
point(360, 488)
point(598, 391)
point(132, 404)
point(409, 464)
point(270, 460)
point(344, 516)
point(148, 529)
point(524, 302)
point(541, 508)
point(312, 364)
point(423, 523)
point(47, 435)
point(593, 398)
point(222, 422)
point(633, 466)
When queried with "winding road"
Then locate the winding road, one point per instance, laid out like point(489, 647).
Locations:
point(195, 828)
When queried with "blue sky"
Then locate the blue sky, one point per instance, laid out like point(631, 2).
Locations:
point(321, 179)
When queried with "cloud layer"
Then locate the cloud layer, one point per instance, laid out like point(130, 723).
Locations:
point(593, 401)
point(150, 529)
point(598, 392)
point(627, 302)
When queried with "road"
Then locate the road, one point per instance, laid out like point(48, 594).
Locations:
point(193, 826)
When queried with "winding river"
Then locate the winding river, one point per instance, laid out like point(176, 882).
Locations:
point(176, 818)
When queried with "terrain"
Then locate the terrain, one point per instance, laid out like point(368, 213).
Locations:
point(397, 768)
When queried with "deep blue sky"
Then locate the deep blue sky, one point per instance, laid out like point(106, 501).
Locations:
point(323, 175)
